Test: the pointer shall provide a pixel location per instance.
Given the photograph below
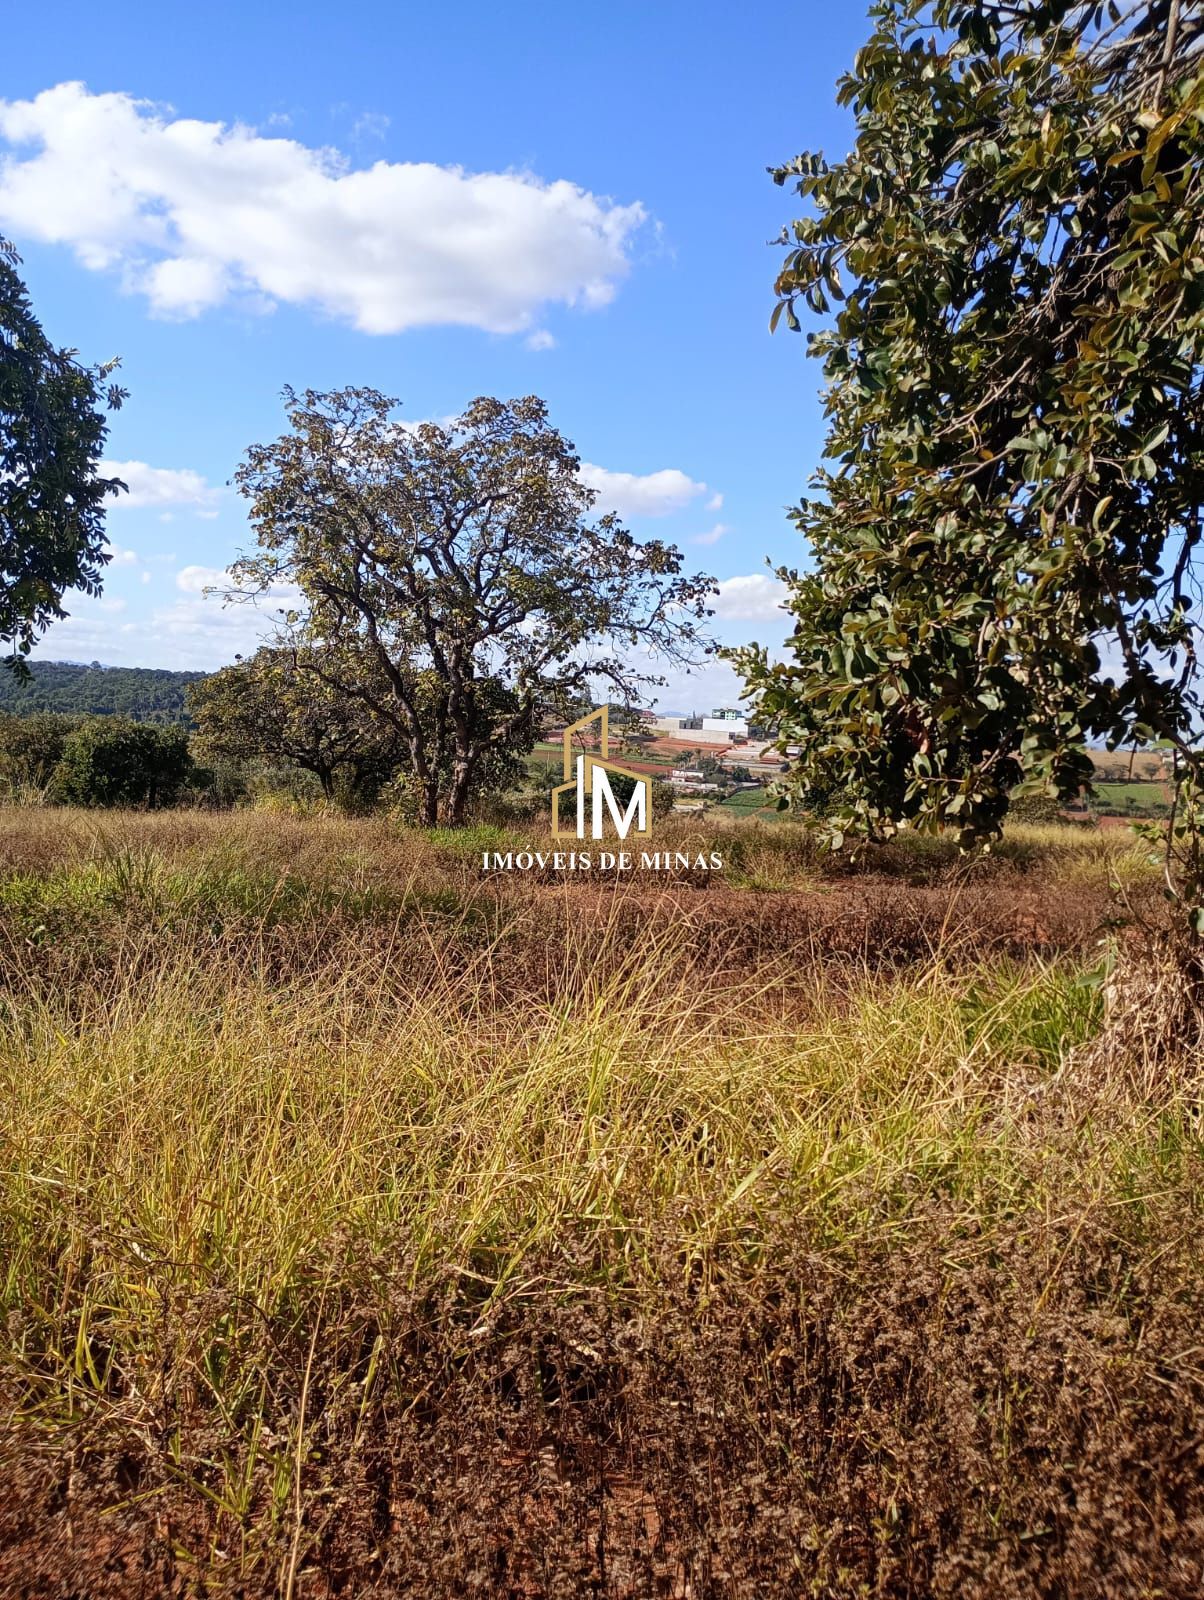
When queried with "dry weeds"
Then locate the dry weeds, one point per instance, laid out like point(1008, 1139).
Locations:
point(432, 1238)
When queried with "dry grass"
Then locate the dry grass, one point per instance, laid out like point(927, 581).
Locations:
point(365, 851)
point(408, 1246)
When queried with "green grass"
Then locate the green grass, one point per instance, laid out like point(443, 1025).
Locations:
point(747, 803)
point(1120, 798)
point(254, 1136)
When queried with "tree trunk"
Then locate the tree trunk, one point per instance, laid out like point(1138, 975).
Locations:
point(428, 806)
point(461, 788)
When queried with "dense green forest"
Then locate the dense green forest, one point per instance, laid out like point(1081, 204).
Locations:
point(147, 694)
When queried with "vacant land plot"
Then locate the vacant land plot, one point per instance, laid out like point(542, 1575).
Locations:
point(374, 1226)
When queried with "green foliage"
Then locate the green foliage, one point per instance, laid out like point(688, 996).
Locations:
point(1007, 535)
point(52, 433)
point(462, 566)
point(1037, 808)
point(30, 750)
point(220, 784)
point(147, 694)
point(111, 761)
point(289, 789)
point(281, 706)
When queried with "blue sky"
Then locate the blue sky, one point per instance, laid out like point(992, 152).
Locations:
point(565, 200)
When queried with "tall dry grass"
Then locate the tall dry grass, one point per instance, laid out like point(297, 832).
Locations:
point(427, 1256)
point(373, 850)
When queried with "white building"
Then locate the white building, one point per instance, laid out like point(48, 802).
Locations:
point(691, 781)
point(724, 726)
point(731, 727)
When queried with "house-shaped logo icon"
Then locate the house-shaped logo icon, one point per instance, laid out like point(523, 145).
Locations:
point(587, 778)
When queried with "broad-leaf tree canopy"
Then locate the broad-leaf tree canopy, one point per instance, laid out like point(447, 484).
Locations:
point(454, 578)
point(271, 708)
point(282, 705)
point(1006, 529)
point(52, 432)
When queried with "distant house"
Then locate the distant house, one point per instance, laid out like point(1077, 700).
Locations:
point(691, 781)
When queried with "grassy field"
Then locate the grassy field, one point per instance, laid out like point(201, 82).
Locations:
point(1117, 798)
point(750, 803)
point(373, 1226)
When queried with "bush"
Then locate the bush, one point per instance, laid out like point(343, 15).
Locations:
point(112, 761)
point(285, 789)
point(30, 749)
point(1037, 808)
point(219, 785)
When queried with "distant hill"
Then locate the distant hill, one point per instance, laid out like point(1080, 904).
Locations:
point(148, 694)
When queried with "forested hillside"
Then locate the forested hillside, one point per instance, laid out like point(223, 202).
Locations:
point(148, 694)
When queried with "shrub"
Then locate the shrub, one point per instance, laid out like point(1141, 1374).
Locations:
point(1037, 808)
point(30, 750)
point(284, 789)
point(218, 785)
point(112, 761)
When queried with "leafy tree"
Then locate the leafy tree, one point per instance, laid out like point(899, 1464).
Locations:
point(111, 761)
point(217, 784)
point(501, 765)
point(450, 558)
point(52, 431)
point(1007, 532)
point(30, 750)
point(272, 708)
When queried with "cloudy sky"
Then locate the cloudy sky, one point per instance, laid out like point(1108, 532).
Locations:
point(563, 200)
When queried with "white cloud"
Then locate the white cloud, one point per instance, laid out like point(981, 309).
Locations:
point(119, 556)
point(159, 486)
point(195, 580)
point(715, 503)
point(191, 213)
point(195, 631)
point(712, 684)
point(200, 632)
point(87, 633)
point(412, 426)
point(712, 535)
point(757, 597)
point(655, 494)
point(370, 125)
point(541, 339)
